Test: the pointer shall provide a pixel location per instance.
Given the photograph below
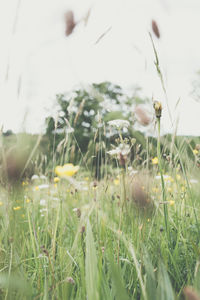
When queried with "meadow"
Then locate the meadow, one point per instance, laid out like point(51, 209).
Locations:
point(132, 233)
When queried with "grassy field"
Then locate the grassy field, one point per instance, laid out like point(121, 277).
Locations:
point(134, 234)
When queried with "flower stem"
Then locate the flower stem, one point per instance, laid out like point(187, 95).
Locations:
point(162, 179)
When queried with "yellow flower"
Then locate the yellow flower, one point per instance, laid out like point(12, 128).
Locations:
point(16, 207)
point(116, 181)
point(56, 179)
point(37, 188)
point(28, 200)
point(154, 160)
point(66, 170)
point(155, 190)
point(1, 203)
point(178, 177)
point(195, 151)
point(171, 202)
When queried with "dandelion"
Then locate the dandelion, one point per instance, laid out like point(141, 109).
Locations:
point(16, 207)
point(67, 170)
point(155, 160)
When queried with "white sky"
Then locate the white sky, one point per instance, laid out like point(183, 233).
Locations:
point(43, 62)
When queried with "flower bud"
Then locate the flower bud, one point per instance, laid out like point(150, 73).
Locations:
point(158, 109)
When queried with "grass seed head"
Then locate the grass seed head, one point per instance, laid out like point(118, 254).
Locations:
point(155, 29)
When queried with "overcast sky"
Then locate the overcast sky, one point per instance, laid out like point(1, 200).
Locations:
point(37, 60)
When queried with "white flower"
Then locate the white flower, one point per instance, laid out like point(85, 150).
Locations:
point(114, 152)
point(193, 181)
point(69, 130)
point(119, 123)
point(34, 177)
point(42, 202)
point(122, 149)
point(43, 186)
point(166, 177)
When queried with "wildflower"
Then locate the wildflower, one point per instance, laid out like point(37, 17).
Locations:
point(119, 123)
point(42, 202)
point(56, 179)
point(154, 160)
point(193, 181)
point(1, 203)
point(16, 207)
point(28, 200)
point(66, 170)
point(195, 151)
point(122, 149)
point(155, 190)
point(55, 185)
point(116, 181)
point(34, 177)
point(41, 187)
point(158, 109)
point(171, 202)
point(178, 177)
